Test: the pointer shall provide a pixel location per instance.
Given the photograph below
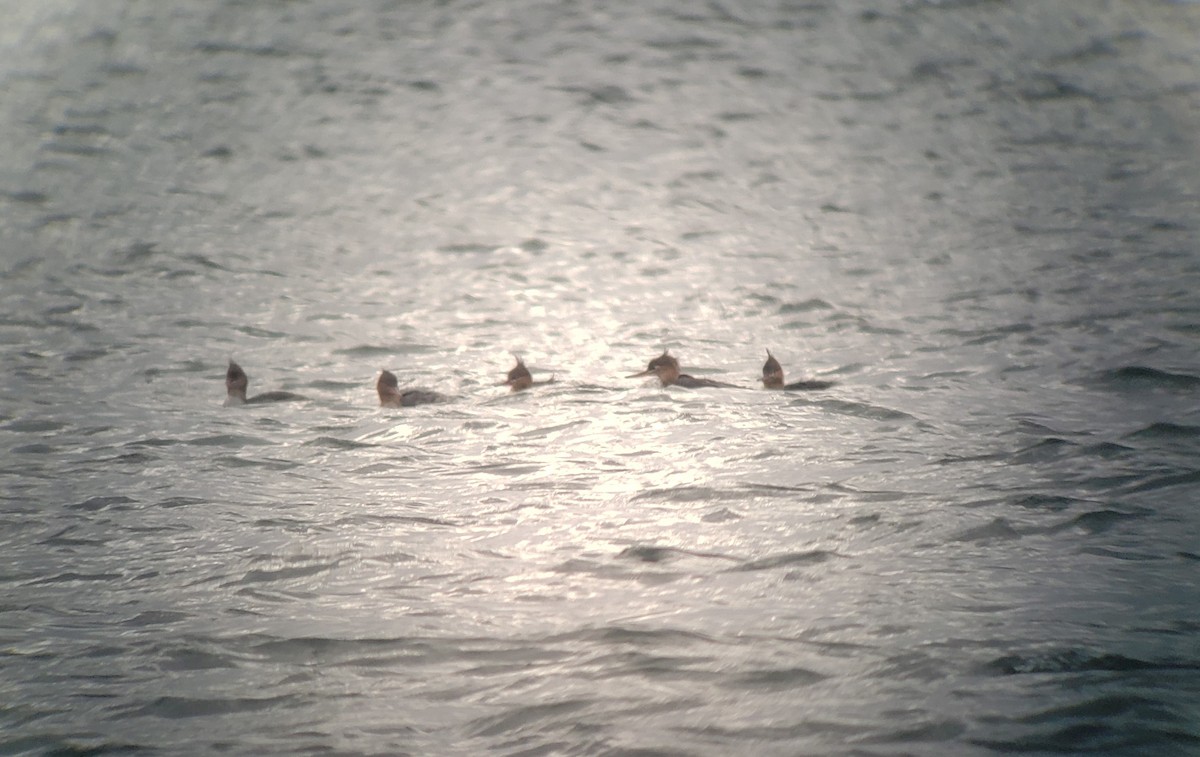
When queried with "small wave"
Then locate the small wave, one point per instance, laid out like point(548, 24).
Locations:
point(33, 426)
point(172, 502)
point(648, 553)
point(1050, 502)
point(73, 577)
point(331, 442)
point(233, 461)
point(688, 494)
point(61, 539)
point(720, 515)
point(420, 520)
point(202, 261)
point(538, 433)
point(174, 708)
point(807, 306)
point(195, 659)
point(214, 47)
point(951, 460)
point(638, 637)
point(1101, 725)
point(776, 679)
point(130, 458)
point(333, 386)
point(861, 410)
point(811, 557)
point(34, 449)
point(467, 249)
point(1078, 661)
point(152, 442)
point(1142, 377)
point(383, 350)
point(234, 441)
point(102, 503)
point(260, 333)
point(977, 337)
point(85, 355)
point(29, 197)
point(76, 149)
point(1127, 555)
point(776, 490)
point(280, 574)
point(1164, 482)
point(70, 747)
point(1045, 451)
point(1165, 431)
point(1098, 521)
point(317, 649)
point(505, 468)
point(559, 714)
point(156, 618)
point(653, 554)
point(1107, 450)
point(998, 529)
point(1044, 85)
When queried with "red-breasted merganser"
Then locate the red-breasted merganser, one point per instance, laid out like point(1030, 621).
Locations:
point(773, 378)
point(391, 396)
point(666, 367)
point(236, 383)
point(519, 378)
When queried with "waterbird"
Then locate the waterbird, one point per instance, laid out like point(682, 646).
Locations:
point(772, 378)
point(666, 368)
point(236, 383)
point(519, 378)
point(390, 394)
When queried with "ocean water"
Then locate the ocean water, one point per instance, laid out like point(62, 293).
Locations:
point(978, 218)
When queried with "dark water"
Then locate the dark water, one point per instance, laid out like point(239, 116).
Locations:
point(979, 218)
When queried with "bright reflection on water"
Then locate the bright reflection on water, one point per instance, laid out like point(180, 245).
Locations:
point(976, 218)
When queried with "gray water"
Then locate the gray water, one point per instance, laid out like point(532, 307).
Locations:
point(978, 218)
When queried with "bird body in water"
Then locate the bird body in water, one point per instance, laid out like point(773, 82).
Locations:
point(236, 383)
point(390, 394)
point(666, 368)
point(519, 378)
point(772, 378)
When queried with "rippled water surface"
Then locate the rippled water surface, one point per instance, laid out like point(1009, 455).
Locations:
point(978, 218)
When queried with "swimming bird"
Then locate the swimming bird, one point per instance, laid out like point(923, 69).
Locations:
point(391, 396)
point(519, 378)
point(666, 367)
point(772, 378)
point(236, 383)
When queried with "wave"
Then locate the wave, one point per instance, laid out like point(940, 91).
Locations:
point(1045, 451)
point(1164, 482)
point(1143, 377)
point(654, 554)
point(1079, 661)
point(385, 350)
point(234, 441)
point(775, 678)
point(103, 503)
point(787, 559)
point(997, 529)
point(1098, 521)
point(332, 442)
point(174, 708)
point(860, 410)
point(1165, 430)
point(1108, 723)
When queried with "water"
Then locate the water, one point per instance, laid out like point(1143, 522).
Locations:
point(978, 218)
